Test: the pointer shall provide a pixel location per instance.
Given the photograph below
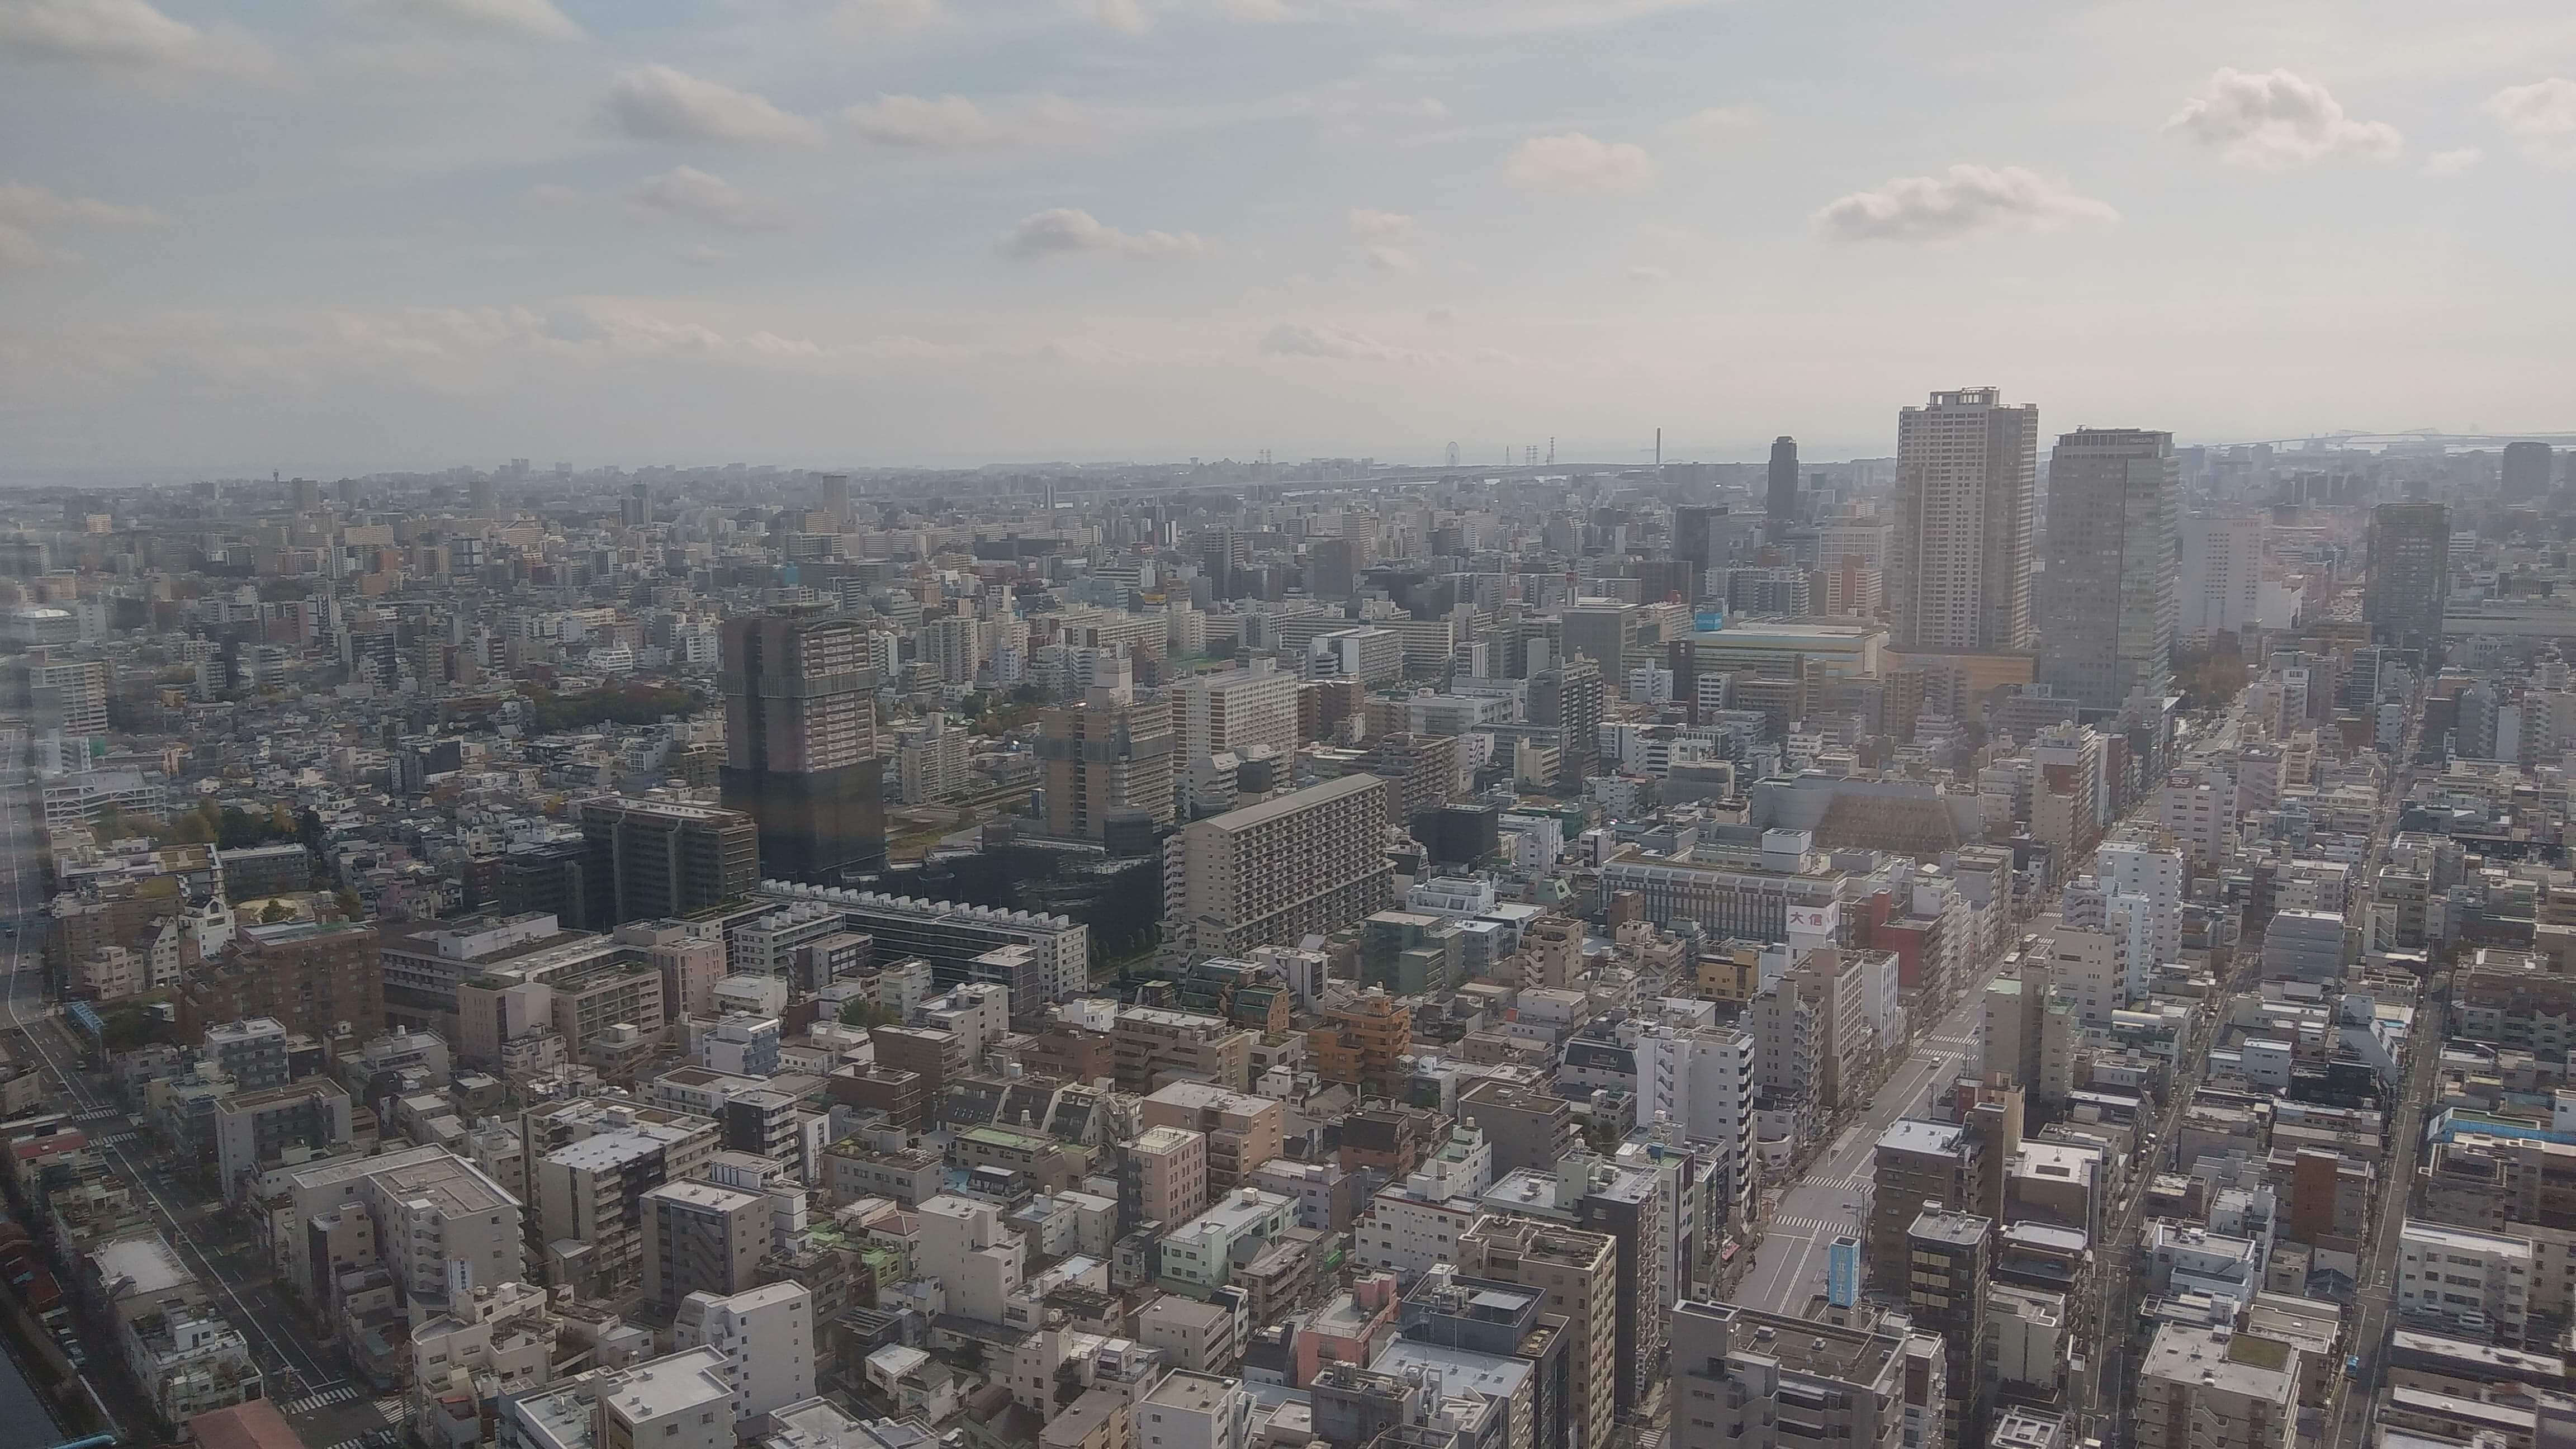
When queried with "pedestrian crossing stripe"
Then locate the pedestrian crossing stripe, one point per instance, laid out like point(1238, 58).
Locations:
point(390, 1408)
point(117, 1139)
point(339, 1393)
point(1810, 1225)
point(98, 1114)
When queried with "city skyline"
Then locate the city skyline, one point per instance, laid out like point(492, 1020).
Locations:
point(931, 232)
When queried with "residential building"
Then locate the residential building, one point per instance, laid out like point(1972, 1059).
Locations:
point(801, 752)
point(1959, 566)
point(1309, 862)
point(2108, 607)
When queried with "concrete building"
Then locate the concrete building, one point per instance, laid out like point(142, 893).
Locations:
point(766, 1335)
point(1578, 1273)
point(1242, 1132)
point(1306, 863)
point(1948, 1260)
point(1235, 710)
point(2410, 575)
point(1170, 1167)
point(2211, 1388)
point(801, 754)
point(1959, 565)
point(1744, 1379)
point(1106, 756)
point(658, 858)
point(1195, 1411)
point(1151, 1046)
point(2478, 1280)
point(700, 1237)
point(2221, 575)
point(2108, 607)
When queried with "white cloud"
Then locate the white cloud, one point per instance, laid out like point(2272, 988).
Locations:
point(1718, 126)
point(1068, 232)
point(658, 103)
point(538, 18)
point(1390, 258)
point(1391, 227)
point(1302, 339)
point(1126, 15)
point(128, 35)
point(1576, 164)
point(31, 207)
point(2452, 163)
point(703, 255)
point(1961, 200)
point(2278, 119)
point(954, 123)
point(694, 195)
point(2541, 115)
point(1651, 276)
point(1256, 12)
point(27, 210)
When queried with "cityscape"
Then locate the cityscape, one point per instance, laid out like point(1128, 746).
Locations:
point(1287, 724)
point(2041, 939)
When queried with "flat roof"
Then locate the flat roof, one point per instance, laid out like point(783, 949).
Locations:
point(1290, 804)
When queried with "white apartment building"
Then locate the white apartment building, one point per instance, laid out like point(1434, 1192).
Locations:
point(2154, 873)
point(1960, 556)
point(1225, 712)
point(1409, 1233)
point(766, 1335)
point(2481, 1278)
point(1195, 1411)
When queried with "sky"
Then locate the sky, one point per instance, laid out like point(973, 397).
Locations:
point(338, 236)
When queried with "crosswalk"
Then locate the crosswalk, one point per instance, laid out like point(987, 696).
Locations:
point(98, 1114)
point(1810, 1225)
point(116, 1139)
point(1854, 1182)
point(323, 1398)
point(390, 1409)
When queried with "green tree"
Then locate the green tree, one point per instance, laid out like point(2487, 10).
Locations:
point(275, 912)
point(866, 1015)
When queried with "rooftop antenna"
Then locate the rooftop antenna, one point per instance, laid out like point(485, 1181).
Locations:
point(1659, 450)
point(1551, 450)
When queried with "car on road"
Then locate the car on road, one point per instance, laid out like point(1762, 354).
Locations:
point(2352, 1366)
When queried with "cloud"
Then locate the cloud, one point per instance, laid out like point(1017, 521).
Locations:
point(2541, 115)
point(954, 123)
point(1126, 15)
point(1300, 339)
point(658, 103)
point(2452, 163)
point(1961, 200)
point(127, 35)
point(702, 255)
point(1256, 12)
point(1390, 259)
point(1067, 232)
point(1391, 227)
point(1577, 165)
point(33, 207)
point(1651, 276)
point(27, 210)
point(1718, 125)
point(693, 195)
point(537, 18)
point(2277, 120)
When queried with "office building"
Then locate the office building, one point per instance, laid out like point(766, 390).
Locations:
point(1570, 699)
point(2219, 562)
point(657, 858)
point(1105, 756)
point(2530, 469)
point(801, 742)
point(2109, 606)
point(2410, 575)
point(1959, 564)
point(1780, 496)
point(962, 943)
point(1311, 862)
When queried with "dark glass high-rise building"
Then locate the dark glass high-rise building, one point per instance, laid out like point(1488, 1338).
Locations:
point(801, 743)
point(1695, 535)
point(2410, 575)
point(2528, 470)
point(1780, 504)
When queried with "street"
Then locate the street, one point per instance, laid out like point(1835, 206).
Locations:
point(1832, 1198)
point(214, 1246)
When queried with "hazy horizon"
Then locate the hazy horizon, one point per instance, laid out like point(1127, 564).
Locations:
point(404, 235)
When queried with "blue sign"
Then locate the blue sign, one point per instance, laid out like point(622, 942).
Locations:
point(1842, 1273)
point(1709, 621)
